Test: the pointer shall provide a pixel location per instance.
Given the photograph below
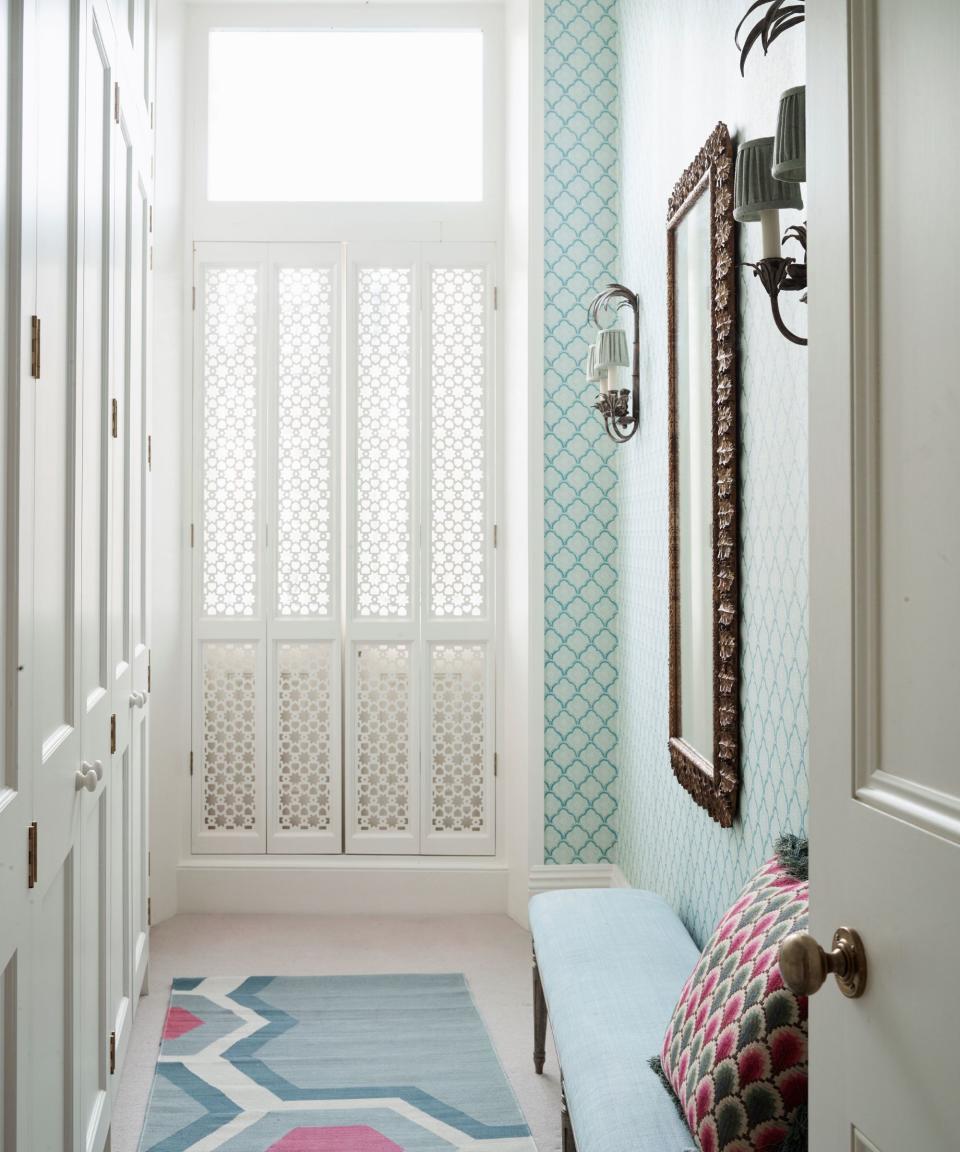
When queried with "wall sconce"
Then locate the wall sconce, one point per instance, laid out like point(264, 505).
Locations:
point(767, 178)
point(619, 406)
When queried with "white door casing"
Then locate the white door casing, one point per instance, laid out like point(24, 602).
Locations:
point(883, 143)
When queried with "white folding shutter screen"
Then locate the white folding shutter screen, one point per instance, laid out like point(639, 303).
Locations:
point(230, 642)
point(457, 473)
point(382, 611)
point(303, 558)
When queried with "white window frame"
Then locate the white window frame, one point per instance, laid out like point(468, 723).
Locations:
point(443, 230)
point(320, 220)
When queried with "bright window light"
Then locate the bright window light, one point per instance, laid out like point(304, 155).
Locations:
point(345, 115)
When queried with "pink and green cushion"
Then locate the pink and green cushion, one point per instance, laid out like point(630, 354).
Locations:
point(735, 1053)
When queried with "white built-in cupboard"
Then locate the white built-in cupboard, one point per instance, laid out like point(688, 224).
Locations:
point(75, 202)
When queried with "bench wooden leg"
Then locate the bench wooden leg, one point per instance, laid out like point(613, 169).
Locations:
point(567, 1141)
point(539, 1021)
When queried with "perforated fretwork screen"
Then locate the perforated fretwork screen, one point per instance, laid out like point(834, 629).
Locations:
point(384, 442)
point(304, 441)
point(458, 737)
point(229, 736)
point(458, 442)
point(383, 674)
point(230, 368)
point(304, 736)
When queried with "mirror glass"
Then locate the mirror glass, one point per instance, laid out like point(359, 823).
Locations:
point(694, 414)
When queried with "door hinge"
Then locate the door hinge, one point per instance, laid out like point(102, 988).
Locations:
point(149, 913)
point(149, 453)
point(113, 1052)
point(191, 761)
point(496, 299)
point(113, 733)
point(194, 304)
point(32, 855)
point(496, 764)
point(149, 668)
point(496, 534)
point(152, 121)
point(35, 347)
point(150, 215)
point(114, 419)
point(116, 102)
point(191, 535)
point(149, 864)
point(151, 257)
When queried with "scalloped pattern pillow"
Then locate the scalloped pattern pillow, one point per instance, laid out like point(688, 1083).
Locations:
point(735, 1053)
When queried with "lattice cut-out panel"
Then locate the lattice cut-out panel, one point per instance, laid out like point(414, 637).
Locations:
point(384, 407)
point(458, 449)
point(305, 374)
point(229, 737)
point(383, 683)
point(458, 737)
point(229, 425)
point(304, 733)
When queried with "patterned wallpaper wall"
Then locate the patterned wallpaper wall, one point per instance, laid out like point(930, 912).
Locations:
point(679, 76)
point(581, 490)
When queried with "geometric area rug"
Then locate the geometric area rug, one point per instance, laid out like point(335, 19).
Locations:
point(329, 1064)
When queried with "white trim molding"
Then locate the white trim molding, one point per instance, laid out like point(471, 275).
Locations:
point(342, 886)
point(553, 877)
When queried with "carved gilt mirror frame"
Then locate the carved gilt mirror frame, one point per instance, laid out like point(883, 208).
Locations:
point(714, 784)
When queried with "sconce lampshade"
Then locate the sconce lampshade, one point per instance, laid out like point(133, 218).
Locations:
point(612, 351)
point(790, 142)
point(592, 371)
point(755, 189)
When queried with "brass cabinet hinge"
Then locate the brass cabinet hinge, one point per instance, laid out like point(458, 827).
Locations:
point(114, 419)
point(149, 453)
point(32, 855)
point(35, 347)
point(116, 102)
point(113, 1052)
point(191, 762)
point(113, 733)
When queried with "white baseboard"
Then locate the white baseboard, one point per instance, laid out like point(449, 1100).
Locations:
point(551, 877)
point(369, 890)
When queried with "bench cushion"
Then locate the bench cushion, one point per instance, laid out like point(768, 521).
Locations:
point(613, 963)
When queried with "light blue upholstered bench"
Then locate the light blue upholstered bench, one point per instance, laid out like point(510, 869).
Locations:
point(609, 966)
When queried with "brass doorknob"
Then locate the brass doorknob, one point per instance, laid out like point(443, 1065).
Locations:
point(805, 966)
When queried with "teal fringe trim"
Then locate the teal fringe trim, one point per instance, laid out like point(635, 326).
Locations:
point(657, 1067)
point(793, 852)
point(797, 1139)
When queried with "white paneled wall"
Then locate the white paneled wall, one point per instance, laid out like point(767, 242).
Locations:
point(74, 916)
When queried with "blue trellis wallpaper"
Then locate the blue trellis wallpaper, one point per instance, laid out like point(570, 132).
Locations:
point(679, 76)
point(580, 466)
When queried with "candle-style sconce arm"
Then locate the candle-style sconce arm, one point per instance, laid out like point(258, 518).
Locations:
point(620, 408)
point(784, 274)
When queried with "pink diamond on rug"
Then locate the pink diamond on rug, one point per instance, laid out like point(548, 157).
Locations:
point(179, 1022)
point(355, 1138)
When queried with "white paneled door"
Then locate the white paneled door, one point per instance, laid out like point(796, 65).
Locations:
point(884, 141)
point(343, 549)
point(73, 907)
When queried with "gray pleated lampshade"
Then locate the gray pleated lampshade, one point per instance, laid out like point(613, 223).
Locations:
point(790, 142)
point(755, 189)
point(612, 349)
point(592, 371)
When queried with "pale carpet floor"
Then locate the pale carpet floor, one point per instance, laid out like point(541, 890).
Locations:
point(492, 951)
